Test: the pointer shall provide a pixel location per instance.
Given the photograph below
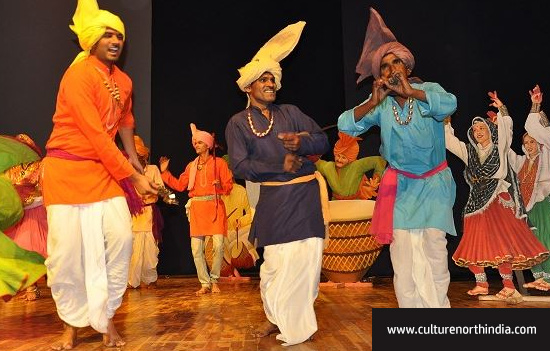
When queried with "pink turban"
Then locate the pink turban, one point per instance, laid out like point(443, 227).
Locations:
point(379, 41)
point(395, 48)
point(203, 136)
point(347, 146)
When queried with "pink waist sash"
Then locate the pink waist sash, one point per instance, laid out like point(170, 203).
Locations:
point(382, 218)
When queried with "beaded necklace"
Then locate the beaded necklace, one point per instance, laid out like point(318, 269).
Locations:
point(409, 114)
point(113, 90)
point(256, 133)
point(200, 165)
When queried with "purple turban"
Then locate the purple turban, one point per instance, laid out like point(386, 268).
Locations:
point(379, 41)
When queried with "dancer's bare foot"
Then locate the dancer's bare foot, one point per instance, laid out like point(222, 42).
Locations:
point(539, 284)
point(67, 340)
point(112, 337)
point(215, 288)
point(265, 329)
point(202, 291)
point(506, 293)
point(478, 290)
point(153, 285)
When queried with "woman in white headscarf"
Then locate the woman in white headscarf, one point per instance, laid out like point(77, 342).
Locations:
point(533, 170)
point(496, 233)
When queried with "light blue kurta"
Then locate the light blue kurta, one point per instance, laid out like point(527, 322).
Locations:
point(414, 148)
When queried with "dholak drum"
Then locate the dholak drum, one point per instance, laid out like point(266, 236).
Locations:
point(351, 250)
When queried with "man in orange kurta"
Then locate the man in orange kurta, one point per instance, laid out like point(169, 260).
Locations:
point(90, 233)
point(206, 178)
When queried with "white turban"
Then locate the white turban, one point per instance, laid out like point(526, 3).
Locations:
point(268, 57)
point(90, 24)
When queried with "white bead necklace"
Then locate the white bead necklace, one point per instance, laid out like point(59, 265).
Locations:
point(256, 133)
point(409, 114)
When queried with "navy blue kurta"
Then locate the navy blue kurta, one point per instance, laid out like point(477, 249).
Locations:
point(283, 213)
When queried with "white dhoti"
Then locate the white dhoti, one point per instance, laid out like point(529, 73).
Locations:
point(89, 249)
point(421, 275)
point(289, 285)
point(144, 261)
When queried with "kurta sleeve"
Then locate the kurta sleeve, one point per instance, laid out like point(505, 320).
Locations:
point(347, 124)
point(316, 141)
point(178, 184)
point(226, 177)
point(440, 104)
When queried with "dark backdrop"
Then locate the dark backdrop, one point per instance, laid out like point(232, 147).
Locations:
point(469, 47)
point(196, 54)
point(38, 46)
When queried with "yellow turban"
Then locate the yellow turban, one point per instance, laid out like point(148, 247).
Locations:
point(141, 149)
point(268, 57)
point(90, 23)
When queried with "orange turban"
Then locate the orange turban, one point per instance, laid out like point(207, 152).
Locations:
point(347, 146)
point(141, 149)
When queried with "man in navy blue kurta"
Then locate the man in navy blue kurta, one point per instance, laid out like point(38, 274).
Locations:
point(268, 143)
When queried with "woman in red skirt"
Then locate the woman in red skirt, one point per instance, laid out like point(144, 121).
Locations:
point(496, 230)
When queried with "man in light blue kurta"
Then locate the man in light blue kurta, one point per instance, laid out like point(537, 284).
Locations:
point(414, 207)
point(414, 148)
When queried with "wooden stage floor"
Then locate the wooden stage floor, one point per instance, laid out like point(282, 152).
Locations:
point(171, 317)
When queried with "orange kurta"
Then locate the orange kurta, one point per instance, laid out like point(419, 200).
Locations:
point(86, 121)
point(207, 217)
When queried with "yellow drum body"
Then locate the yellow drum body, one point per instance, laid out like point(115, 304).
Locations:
point(351, 250)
